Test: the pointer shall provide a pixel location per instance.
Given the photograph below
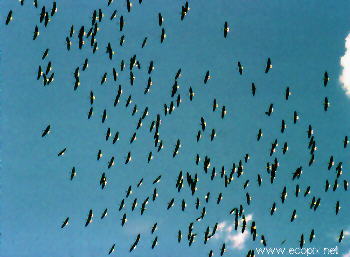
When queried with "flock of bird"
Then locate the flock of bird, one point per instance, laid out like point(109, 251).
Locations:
point(86, 37)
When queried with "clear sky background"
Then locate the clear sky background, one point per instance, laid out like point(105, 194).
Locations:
point(303, 40)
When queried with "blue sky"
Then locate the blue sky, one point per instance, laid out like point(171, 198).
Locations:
point(303, 40)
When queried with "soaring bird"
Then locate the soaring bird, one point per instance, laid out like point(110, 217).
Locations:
point(65, 222)
point(154, 195)
point(155, 242)
point(177, 147)
point(260, 134)
point(162, 36)
point(150, 157)
point(270, 110)
point(124, 219)
point(150, 67)
point(128, 158)
point(111, 250)
point(104, 115)
point(263, 240)
point(46, 52)
point(157, 180)
point(301, 241)
point(341, 236)
point(104, 214)
point(99, 154)
point(312, 235)
point(253, 89)
point(288, 93)
point(121, 23)
point(73, 173)
point(89, 218)
point(9, 17)
point(144, 42)
point(285, 148)
point(325, 78)
point(62, 152)
point(273, 209)
point(122, 204)
point(154, 228)
point(212, 135)
point(346, 141)
point(160, 19)
point(128, 5)
point(178, 74)
point(337, 208)
point(184, 10)
point(36, 32)
point(268, 66)
point(240, 68)
point(134, 204)
point(295, 117)
point(114, 14)
point(226, 29)
point(68, 43)
point(179, 236)
point(223, 111)
point(284, 194)
point(111, 162)
point(140, 182)
point(171, 203)
point(109, 51)
point(46, 131)
point(325, 104)
point(297, 173)
point(207, 77)
point(103, 180)
point(294, 215)
point(223, 249)
point(283, 126)
point(71, 31)
point(54, 8)
point(90, 112)
point(122, 40)
point(133, 246)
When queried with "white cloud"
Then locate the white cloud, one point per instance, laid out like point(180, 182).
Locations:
point(347, 254)
point(238, 240)
point(235, 239)
point(345, 63)
point(221, 226)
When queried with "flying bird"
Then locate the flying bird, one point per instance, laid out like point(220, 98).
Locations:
point(160, 19)
point(73, 173)
point(240, 68)
point(36, 32)
point(104, 214)
point(162, 36)
point(111, 250)
point(89, 218)
point(268, 66)
point(133, 246)
point(103, 180)
point(65, 222)
point(62, 152)
point(226, 29)
point(325, 104)
point(325, 78)
point(46, 131)
point(9, 17)
point(207, 77)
